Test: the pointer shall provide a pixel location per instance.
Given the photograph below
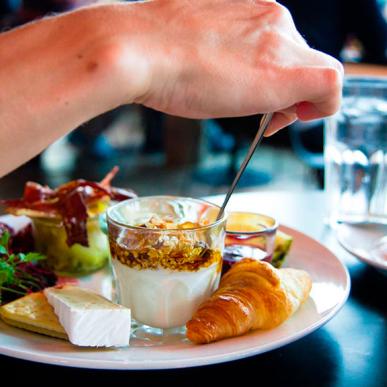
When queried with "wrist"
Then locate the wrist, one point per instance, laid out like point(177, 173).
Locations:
point(115, 52)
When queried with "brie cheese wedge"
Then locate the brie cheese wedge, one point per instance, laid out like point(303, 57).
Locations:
point(88, 318)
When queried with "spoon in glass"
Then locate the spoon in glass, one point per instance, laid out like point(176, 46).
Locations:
point(264, 123)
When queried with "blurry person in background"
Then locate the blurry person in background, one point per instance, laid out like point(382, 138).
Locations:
point(332, 25)
point(8, 10)
point(9, 6)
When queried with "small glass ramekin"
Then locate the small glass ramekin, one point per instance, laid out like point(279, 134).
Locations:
point(248, 235)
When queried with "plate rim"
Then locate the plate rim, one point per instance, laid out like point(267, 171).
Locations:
point(30, 355)
point(369, 261)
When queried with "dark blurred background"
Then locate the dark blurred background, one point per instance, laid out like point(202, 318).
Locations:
point(161, 154)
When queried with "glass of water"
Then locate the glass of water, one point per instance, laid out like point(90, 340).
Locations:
point(356, 154)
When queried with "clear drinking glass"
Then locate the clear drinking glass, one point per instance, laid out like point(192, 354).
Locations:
point(51, 240)
point(356, 154)
point(167, 257)
point(248, 235)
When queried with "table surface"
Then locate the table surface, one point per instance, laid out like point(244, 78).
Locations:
point(365, 69)
point(349, 350)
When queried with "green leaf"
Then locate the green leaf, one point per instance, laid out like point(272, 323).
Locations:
point(13, 277)
point(22, 257)
point(11, 259)
point(7, 273)
point(33, 257)
point(4, 239)
point(3, 277)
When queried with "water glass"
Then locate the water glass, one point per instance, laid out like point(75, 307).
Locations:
point(356, 154)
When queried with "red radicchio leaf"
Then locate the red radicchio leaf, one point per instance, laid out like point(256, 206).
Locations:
point(117, 194)
point(69, 201)
point(36, 197)
point(74, 215)
point(21, 241)
point(34, 192)
point(120, 194)
point(107, 180)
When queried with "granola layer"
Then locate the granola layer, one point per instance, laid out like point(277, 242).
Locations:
point(185, 258)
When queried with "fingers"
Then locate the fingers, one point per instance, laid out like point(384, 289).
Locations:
point(307, 111)
point(281, 120)
point(322, 88)
point(313, 87)
point(324, 96)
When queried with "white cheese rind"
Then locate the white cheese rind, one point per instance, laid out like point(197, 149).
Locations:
point(89, 319)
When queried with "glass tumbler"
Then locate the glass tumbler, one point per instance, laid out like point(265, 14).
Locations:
point(51, 240)
point(356, 154)
point(167, 257)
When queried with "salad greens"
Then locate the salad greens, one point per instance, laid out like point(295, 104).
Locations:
point(18, 274)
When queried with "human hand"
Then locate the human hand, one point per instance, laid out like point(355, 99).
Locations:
point(192, 58)
point(219, 58)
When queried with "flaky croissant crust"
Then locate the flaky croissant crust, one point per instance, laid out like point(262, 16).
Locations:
point(251, 295)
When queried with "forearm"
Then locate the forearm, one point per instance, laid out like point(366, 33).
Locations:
point(57, 74)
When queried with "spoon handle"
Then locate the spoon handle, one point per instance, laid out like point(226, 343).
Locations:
point(265, 121)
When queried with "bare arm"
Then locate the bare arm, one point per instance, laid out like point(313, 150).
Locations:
point(208, 58)
point(56, 74)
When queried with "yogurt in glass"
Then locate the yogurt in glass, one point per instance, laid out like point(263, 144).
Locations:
point(167, 257)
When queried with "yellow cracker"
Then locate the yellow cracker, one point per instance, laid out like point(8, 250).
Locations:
point(33, 313)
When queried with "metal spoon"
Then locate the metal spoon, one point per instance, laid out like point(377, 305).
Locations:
point(265, 121)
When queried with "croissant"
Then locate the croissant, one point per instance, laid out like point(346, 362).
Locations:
point(251, 295)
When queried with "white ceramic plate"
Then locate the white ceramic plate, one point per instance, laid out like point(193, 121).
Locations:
point(330, 290)
point(368, 242)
